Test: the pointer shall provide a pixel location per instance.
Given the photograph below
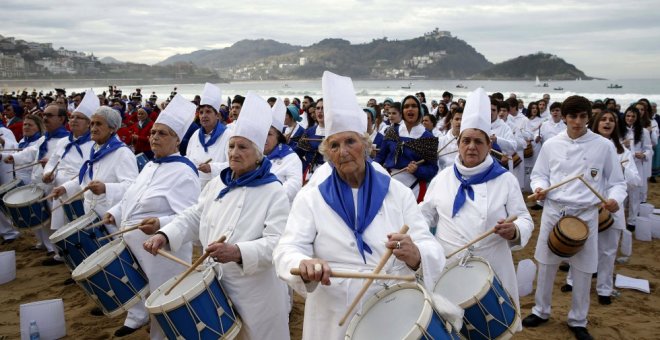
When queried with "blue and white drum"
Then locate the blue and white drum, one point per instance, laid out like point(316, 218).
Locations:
point(197, 308)
point(141, 160)
point(112, 277)
point(76, 241)
point(401, 311)
point(5, 188)
point(74, 210)
point(25, 207)
point(490, 313)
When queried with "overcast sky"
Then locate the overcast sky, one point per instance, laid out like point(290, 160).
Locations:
point(612, 39)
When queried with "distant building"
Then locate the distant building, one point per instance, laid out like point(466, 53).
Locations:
point(303, 61)
point(437, 34)
point(58, 65)
point(12, 66)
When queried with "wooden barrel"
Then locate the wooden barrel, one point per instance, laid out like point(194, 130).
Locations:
point(505, 160)
point(529, 150)
point(605, 219)
point(568, 236)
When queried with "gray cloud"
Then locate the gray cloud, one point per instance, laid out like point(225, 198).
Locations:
point(616, 40)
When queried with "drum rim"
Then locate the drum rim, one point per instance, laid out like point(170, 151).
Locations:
point(208, 275)
point(10, 188)
point(82, 272)
point(68, 229)
point(424, 317)
point(22, 204)
point(481, 293)
point(125, 306)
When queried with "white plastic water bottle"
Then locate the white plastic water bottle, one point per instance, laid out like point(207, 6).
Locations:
point(34, 330)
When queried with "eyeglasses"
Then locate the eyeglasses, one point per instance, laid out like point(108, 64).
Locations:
point(49, 115)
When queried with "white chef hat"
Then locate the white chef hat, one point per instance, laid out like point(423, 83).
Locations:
point(178, 115)
point(279, 112)
point(254, 121)
point(212, 96)
point(89, 104)
point(340, 106)
point(476, 114)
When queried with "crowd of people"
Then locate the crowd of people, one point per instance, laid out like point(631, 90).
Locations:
point(323, 185)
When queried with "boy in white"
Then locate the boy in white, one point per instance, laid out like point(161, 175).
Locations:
point(574, 152)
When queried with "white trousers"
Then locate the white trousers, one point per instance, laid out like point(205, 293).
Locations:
point(577, 315)
point(634, 200)
point(6, 231)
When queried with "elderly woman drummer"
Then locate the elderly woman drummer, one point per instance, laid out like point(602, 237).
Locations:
point(167, 185)
point(323, 233)
point(248, 205)
point(110, 169)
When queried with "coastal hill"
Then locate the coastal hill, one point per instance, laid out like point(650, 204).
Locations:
point(542, 65)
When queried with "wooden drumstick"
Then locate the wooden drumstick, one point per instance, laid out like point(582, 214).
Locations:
point(24, 166)
point(448, 153)
point(207, 161)
point(11, 150)
point(194, 265)
point(123, 231)
point(368, 282)
point(97, 224)
point(498, 153)
point(405, 169)
point(481, 237)
point(313, 139)
point(47, 197)
point(167, 255)
point(70, 199)
point(600, 197)
point(54, 168)
point(552, 187)
point(357, 275)
point(446, 145)
point(624, 161)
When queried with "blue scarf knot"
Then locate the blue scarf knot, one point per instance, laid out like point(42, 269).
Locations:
point(259, 176)
point(493, 171)
point(215, 134)
point(371, 194)
point(77, 143)
point(28, 140)
point(61, 132)
point(109, 147)
point(176, 158)
point(280, 151)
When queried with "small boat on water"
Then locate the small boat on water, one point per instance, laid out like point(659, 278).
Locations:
point(407, 87)
point(614, 86)
point(559, 88)
point(461, 86)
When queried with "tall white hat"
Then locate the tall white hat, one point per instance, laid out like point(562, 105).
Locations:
point(89, 104)
point(476, 114)
point(212, 96)
point(254, 121)
point(178, 115)
point(279, 113)
point(342, 112)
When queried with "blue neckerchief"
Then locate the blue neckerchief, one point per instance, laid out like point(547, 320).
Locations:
point(77, 143)
point(61, 132)
point(493, 171)
point(215, 134)
point(176, 158)
point(280, 151)
point(371, 194)
point(109, 147)
point(27, 140)
point(259, 176)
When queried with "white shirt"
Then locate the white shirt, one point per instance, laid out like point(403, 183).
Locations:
point(289, 171)
point(217, 152)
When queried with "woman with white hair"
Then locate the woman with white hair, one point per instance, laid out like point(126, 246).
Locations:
point(110, 170)
point(248, 205)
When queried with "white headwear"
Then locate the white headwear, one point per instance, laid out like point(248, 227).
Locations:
point(178, 115)
point(212, 96)
point(342, 112)
point(254, 121)
point(89, 104)
point(279, 112)
point(476, 114)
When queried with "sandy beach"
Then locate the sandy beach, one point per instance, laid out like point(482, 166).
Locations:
point(632, 315)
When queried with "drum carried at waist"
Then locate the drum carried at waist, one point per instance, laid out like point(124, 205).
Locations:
point(490, 313)
point(4, 189)
point(568, 236)
point(25, 207)
point(605, 219)
point(74, 210)
point(112, 277)
point(197, 308)
point(76, 242)
point(401, 311)
point(504, 159)
point(528, 152)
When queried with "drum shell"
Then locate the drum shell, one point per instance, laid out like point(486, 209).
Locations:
point(76, 243)
point(562, 244)
point(515, 157)
point(28, 214)
point(206, 300)
point(528, 152)
point(74, 210)
point(605, 219)
point(4, 189)
point(112, 277)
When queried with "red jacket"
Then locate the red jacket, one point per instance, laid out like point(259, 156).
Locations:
point(140, 137)
point(17, 129)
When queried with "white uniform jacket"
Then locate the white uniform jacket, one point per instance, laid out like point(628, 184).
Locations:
point(217, 152)
point(448, 143)
point(288, 170)
point(253, 218)
point(30, 155)
point(314, 230)
point(562, 157)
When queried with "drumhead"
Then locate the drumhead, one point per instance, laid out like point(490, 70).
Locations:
point(398, 308)
point(99, 259)
point(73, 226)
point(10, 185)
point(460, 284)
point(24, 194)
point(188, 289)
point(573, 227)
